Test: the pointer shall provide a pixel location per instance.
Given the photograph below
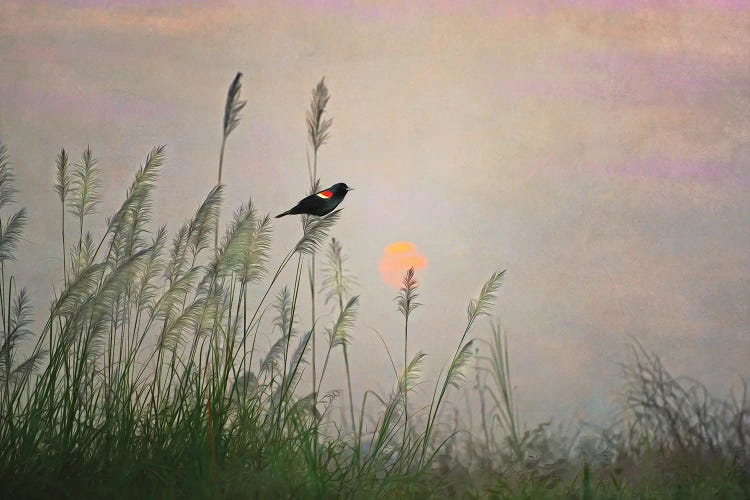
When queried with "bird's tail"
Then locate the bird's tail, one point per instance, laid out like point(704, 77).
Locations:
point(284, 213)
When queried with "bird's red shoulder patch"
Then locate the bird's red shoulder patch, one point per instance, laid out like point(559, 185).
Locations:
point(325, 194)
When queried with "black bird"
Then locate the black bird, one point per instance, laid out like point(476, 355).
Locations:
point(320, 203)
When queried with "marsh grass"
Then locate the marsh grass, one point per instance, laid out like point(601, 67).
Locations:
point(670, 439)
point(149, 377)
point(148, 383)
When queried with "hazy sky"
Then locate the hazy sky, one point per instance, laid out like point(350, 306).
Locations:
point(598, 150)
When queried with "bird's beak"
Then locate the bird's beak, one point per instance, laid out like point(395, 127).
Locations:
point(349, 189)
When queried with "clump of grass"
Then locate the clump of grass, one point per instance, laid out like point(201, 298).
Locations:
point(149, 376)
point(149, 367)
point(15, 304)
point(671, 438)
point(504, 411)
point(105, 394)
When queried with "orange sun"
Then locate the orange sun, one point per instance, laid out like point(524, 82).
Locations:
point(397, 258)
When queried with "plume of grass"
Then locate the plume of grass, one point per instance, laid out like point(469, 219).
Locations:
point(318, 128)
point(482, 305)
point(191, 319)
point(7, 178)
point(315, 232)
point(83, 255)
point(147, 289)
point(77, 292)
point(412, 373)
point(231, 255)
point(10, 234)
point(200, 226)
point(456, 375)
point(19, 318)
point(406, 301)
point(255, 262)
point(284, 319)
point(338, 282)
point(85, 194)
point(94, 317)
point(62, 187)
point(233, 106)
point(232, 111)
point(192, 238)
point(241, 253)
point(338, 333)
point(130, 222)
point(172, 298)
point(314, 235)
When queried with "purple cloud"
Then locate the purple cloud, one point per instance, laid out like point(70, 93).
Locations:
point(630, 4)
point(699, 171)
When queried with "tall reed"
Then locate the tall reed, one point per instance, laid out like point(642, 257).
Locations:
point(84, 197)
point(232, 110)
point(62, 187)
point(407, 302)
point(480, 306)
point(317, 134)
point(504, 402)
point(154, 377)
point(339, 282)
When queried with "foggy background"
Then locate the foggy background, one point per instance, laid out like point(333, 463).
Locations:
point(597, 150)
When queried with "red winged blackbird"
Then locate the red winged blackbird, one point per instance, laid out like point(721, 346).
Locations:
point(320, 203)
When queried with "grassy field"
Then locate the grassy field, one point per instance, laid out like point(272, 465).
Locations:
point(148, 379)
